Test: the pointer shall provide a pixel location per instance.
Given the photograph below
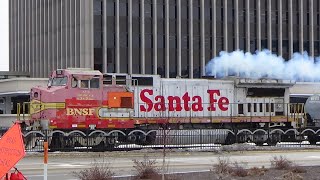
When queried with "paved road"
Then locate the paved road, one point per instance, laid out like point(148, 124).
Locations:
point(62, 165)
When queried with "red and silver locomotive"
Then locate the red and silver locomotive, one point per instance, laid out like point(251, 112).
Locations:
point(79, 100)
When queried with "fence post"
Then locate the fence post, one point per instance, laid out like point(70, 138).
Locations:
point(45, 160)
point(201, 140)
point(87, 136)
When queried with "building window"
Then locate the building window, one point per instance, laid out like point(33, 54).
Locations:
point(196, 13)
point(264, 44)
point(160, 41)
point(147, 9)
point(172, 42)
point(275, 46)
point(123, 60)
point(306, 46)
point(184, 11)
point(295, 46)
point(110, 8)
point(98, 58)
point(97, 7)
point(135, 9)
point(160, 10)
point(285, 46)
point(148, 41)
point(97, 39)
point(123, 8)
point(316, 48)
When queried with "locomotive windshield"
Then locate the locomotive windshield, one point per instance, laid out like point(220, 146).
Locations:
point(58, 81)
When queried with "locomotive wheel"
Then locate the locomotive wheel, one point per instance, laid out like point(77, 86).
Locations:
point(148, 139)
point(230, 139)
point(274, 139)
point(30, 141)
point(106, 145)
point(142, 139)
point(110, 143)
point(57, 142)
point(271, 142)
point(132, 138)
point(259, 138)
point(260, 143)
point(151, 138)
point(313, 139)
point(99, 147)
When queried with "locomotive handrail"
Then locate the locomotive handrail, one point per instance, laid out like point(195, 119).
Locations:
point(297, 112)
point(18, 111)
point(26, 110)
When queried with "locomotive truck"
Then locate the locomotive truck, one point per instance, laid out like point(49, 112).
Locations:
point(133, 108)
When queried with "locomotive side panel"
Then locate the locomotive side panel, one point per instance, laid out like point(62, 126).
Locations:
point(184, 98)
point(224, 91)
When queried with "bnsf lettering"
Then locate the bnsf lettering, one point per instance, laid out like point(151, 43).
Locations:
point(80, 111)
point(175, 102)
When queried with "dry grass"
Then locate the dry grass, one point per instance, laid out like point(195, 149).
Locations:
point(255, 171)
point(281, 163)
point(298, 169)
point(292, 176)
point(146, 169)
point(98, 171)
point(225, 167)
point(293, 170)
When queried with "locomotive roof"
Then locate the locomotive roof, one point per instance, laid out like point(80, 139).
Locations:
point(83, 71)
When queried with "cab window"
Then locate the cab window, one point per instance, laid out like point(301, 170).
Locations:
point(93, 83)
point(84, 83)
point(74, 83)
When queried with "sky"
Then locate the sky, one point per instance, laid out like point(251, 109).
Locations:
point(4, 35)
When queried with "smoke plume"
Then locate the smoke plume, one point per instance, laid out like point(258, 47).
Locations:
point(264, 64)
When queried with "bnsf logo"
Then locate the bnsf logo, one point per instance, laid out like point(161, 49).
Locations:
point(174, 103)
point(80, 111)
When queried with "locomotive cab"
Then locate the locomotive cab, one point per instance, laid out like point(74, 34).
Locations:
point(75, 79)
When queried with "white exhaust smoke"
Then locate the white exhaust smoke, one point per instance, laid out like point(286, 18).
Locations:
point(264, 64)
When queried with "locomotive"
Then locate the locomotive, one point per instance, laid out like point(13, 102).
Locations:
point(133, 108)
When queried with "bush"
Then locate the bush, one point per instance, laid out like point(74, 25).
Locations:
point(146, 169)
point(222, 167)
point(238, 170)
point(281, 163)
point(96, 172)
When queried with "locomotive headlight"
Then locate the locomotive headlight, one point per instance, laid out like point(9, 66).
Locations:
point(35, 94)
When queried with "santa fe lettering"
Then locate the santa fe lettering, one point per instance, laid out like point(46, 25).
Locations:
point(174, 103)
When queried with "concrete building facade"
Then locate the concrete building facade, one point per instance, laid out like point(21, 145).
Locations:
point(168, 37)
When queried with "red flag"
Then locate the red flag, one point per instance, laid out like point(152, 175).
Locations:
point(11, 149)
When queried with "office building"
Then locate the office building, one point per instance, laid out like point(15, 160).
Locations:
point(167, 37)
